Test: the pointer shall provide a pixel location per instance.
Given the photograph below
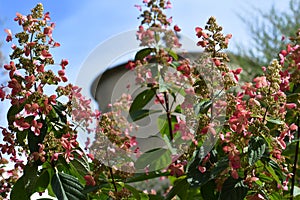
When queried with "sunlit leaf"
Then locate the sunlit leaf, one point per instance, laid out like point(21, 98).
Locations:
point(155, 159)
point(163, 124)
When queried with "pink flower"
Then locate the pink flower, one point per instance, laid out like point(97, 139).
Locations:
point(239, 120)
point(202, 43)
point(35, 127)
point(290, 105)
point(185, 69)
point(130, 65)
point(202, 169)
point(133, 141)
point(168, 5)
point(217, 62)
point(47, 16)
point(15, 86)
point(293, 127)
point(159, 99)
point(234, 174)
point(64, 63)
point(45, 54)
point(176, 28)
point(176, 169)
point(200, 33)
point(182, 128)
point(21, 124)
point(90, 156)
point(170, 20)
point(31, 109)
point(236, 72)
point(9, 35)
point(260, 81)
point(139, 7)
point(2, 94)
point(89, 180)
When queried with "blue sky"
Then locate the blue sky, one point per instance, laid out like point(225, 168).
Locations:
point(82, 25)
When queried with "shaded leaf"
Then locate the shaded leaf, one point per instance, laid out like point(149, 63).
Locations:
point(140, 114)
point(34, 140)
point(81, 165)
point(141, 100)
point(141, 54)
point(257, 148)
point(213, 169)
point(208, 190)
point(180, 188)
point(67, 187)
point(43, 181)
point(13, 110)
point(59, 109)
point(18, 191)
point(233, 189)
point(30, 177)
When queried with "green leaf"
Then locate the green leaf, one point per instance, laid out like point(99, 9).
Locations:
point(42, 182)
point(275, 121)
point(34, 141)
point(202, 107)
point(21, 137)
point(59, 109)
point(138, 195)
point(213, 169)
point(173, 54)
point(13, 110)
point(67, 187)
point(140, 55)
point(80, 163)
point(180, 188)
point(30, 177)
point(140, 114)
point(155, 159)
point(233, 189)
point(18, 191)
point(208, 190)
point(163, 125)
point(141, 100)
point(257, 147)
point(273, 173)
point(146, 176)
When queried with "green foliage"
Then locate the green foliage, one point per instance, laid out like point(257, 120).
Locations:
point(233, 189)
point(257, 148)
point(67, 187)
point(155, 159)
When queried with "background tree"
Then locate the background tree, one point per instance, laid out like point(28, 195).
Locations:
point(269, 32)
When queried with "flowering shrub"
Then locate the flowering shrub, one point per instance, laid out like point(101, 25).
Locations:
point(253, 132)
